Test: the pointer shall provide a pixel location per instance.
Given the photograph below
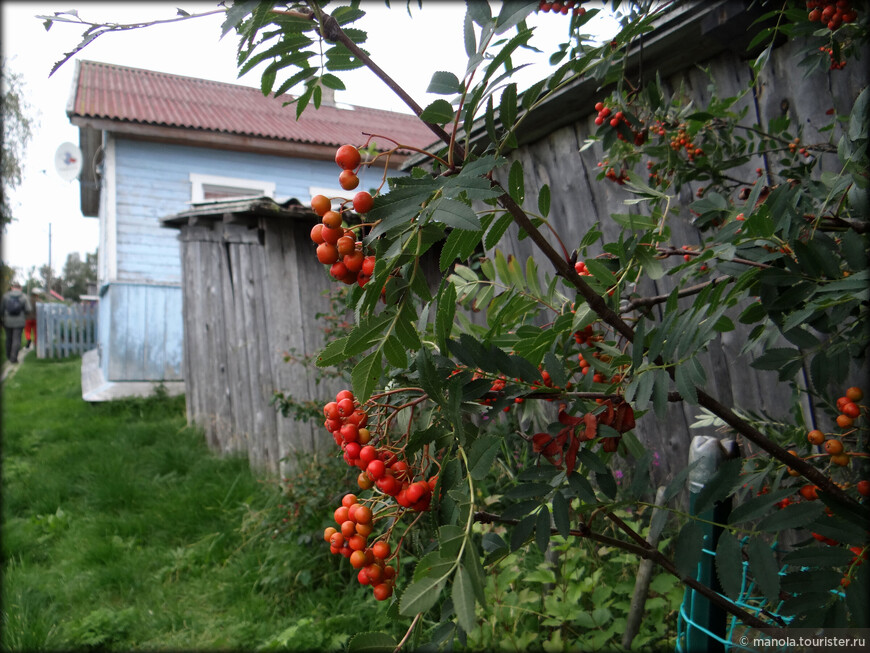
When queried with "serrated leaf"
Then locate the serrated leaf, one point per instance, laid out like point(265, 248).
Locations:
point(685, 386)
point(729, 564)
point(333, 353)
point(439, 112)
point(516, 185)
point(371, 642)
point(450, 538)
point(463, 599)
point(481, 456)
point(793, 516)
point(522, 530)
point(456, 214)
point(445, 315)
point(542, 529)
point(763, 566)
point(443, 83)
point(758, 506)
point(420, 595)
point(365, 376)
point(544, 200)
point(507, 109)
point(561, 517)
point(432, 565)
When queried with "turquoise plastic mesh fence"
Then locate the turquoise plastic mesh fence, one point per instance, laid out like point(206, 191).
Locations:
point(749, 599)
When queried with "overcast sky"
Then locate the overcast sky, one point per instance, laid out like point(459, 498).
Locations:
point(409, 50)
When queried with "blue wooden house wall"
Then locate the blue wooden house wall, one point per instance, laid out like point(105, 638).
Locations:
point(140, 320)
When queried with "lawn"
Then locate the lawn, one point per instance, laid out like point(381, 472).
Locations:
point(122, 531)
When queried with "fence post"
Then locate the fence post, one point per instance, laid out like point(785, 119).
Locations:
point(708, 632)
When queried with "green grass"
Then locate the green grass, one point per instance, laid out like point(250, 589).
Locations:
point(121, 531)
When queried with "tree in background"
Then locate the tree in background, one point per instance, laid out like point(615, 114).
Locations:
point(17, 130)
point(78, 275)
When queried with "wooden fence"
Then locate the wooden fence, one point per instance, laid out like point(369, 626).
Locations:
point(63, 331)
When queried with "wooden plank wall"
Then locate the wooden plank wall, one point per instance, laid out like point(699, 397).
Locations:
point(578, 201)
point(250, 297)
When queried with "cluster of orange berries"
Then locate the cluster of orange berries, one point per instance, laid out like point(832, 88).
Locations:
point(833, 446)
point(610, 173)
point(835, 63)
point(350, 539)
point(832, 13)
point(681, 140)
point(562, 7)
point(379, 467)
point(338, 246)
point(617, 119)
point(849, 409)
point(793, 147)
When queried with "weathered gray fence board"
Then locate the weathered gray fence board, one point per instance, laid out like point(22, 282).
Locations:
point(63, 331)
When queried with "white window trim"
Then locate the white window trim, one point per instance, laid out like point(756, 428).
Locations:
point(197, 181)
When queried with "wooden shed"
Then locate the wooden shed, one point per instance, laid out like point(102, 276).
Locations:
point(251, 289)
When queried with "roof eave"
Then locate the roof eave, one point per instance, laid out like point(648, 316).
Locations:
point(215, 140)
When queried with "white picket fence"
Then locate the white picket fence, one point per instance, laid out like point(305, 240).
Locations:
point(63, 331)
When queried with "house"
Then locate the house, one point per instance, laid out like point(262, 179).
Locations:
point(156, 143)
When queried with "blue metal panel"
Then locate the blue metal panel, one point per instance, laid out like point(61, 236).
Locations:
point(145, 336)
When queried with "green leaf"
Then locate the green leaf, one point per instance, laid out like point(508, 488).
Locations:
point(507, 109)
point(544, 200)
point(687, 549)
point(763, 565)
point(818, 556)
point(793, 516)
point(420, 595)
point(729, 564)
point(516, 187)
point(758, 506)
point(460, 244)
point(445, 315)
point(542, 529)
point(456, 214)
point(439, 112)
point(463, 599)
point(684, 384)
point(512, 12)
point(432, 565)
point(333, 353)
point(482, 455)
point(371, 642)
point(365, 376)
point(443, 83)
point(395, 352)
point(522, 530)
point(450, 538)
point(561, 517)
point(365, 334)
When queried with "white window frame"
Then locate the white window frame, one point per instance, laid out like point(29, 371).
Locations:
point(198, 181)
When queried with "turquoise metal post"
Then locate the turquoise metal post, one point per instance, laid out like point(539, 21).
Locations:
point(710, 620)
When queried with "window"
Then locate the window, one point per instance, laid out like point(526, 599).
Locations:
point(210, 188)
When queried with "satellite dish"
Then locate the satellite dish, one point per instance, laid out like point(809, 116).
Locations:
point(68, 161)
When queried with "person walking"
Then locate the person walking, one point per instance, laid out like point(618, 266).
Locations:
point(15, 306)
point(30, 319)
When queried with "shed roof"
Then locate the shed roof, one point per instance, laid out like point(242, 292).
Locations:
point(133, 96)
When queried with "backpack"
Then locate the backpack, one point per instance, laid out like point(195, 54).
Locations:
point(14, 305)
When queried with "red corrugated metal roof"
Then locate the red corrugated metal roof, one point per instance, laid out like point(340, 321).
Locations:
point(134, 95)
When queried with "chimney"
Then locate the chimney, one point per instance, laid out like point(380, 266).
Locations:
point(327, 96)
